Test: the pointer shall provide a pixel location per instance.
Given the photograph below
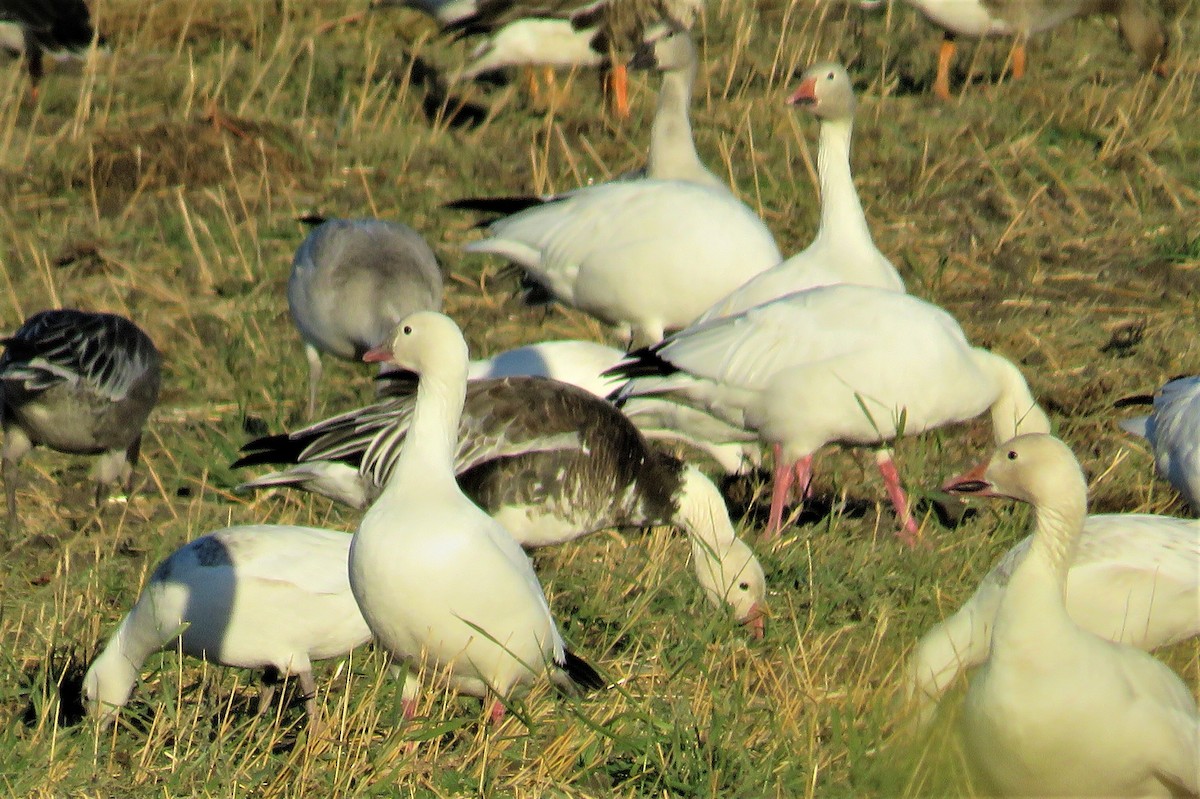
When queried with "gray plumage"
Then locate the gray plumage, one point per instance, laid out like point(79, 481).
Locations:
point(80, 383)
point(352, 281)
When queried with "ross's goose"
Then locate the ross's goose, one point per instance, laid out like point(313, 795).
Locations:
point(847, 364)
point(1173, 432)
point(843, 250)
point(650, 254)
point(1134, 578)
point(1056, 710)
point(439, 582)
point(53, 26)
point(271, 597)
point(1023, 18)
point(352, 280)
point(550, 462)
point(81, 383)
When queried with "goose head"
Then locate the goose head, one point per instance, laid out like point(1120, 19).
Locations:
point(674, 52)
point(733, 577)
point(825, 89)
point(1034, 468)
point(421, 341)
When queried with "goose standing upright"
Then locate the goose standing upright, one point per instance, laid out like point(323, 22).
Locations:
point(438, 581)
point(850, 364)
point(264, 596)
point(843, 250)
point(1173, 433)
point(1056, 710)
point(352, 281)
point(78, 382)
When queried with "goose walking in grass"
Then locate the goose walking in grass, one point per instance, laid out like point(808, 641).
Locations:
point(1172, 430)
point(81, 383)
point(847, 364)
point(440, 582)
point(548, 461)
point(54, 26)
point(843, 250)
point(352, 281)
point(1134, 578)
point(1056, 710)
point(1143, 33)
point(269, 597)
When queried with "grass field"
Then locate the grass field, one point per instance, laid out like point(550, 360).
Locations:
point(1057, 217)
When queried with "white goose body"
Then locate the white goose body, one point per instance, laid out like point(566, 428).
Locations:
point(258, 596)
point(843, 250)
point(438, 581)
point(649, 254)
point(1056, 710)
point(1135, 579)
point(1173, 433)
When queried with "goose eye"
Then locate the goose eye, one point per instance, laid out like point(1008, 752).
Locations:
point(1012, 455)
point(744, 586)
point(829, 76)
point(408, 330)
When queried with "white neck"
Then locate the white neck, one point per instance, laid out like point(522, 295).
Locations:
point(113, 673)
point(1015, 412)
point(702, 511)
point(673, 153)
point(841, 212)
point(426, 461)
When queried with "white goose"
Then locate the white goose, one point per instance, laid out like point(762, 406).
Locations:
point(1056, 710)
point(439, 582)
point(1134, 578)
point(352, 280)
point(548, 461)
point(1173, 432)
point(843, 250)
point(271, 597)
point(848, 364)
point(77, 382)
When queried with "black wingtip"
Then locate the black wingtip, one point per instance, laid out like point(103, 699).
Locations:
point(312, 220)
point(502, 206)
point(1136, 399)
point(582, 673)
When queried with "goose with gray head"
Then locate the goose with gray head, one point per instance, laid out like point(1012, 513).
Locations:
point(550, 462)
point(352, 281)
point(264, 596)
point(81, 383)
point(1056, 710)
point(439, 582)
point(1172, 430)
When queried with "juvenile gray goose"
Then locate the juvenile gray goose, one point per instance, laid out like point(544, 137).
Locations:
point(81, 383)
point(352, 281)
point(549, 461)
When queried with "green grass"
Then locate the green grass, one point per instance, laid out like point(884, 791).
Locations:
point(1046, 214)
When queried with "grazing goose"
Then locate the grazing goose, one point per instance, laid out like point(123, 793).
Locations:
point(650, 254)
point(1023, 18)
point(81, 383)
point(848, 364)
point(843, 251)
point(1134, 578)
point(1173, 432)
point(264, 596)
point(49, 25)
point(548, 461)
point(352, 280)
point(439, 582)
point(1056, 710)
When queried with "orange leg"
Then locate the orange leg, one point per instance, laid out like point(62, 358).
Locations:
point(618, 91)
point(1018, 60)
point(941, 84)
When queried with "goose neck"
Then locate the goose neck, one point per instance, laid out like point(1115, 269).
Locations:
point(672, 148)
point(1038, 586)
point(703, 513)
point(841, 211)
point(427, 456)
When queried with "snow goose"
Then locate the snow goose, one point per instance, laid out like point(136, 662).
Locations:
point(1173, 432)
point(843, 251)
point(352, 281)
point(49, 25)
point(548, 461)
point(1056, 710)
point(650, 254)
point(81, 383)
point(439, 581)
point(1023, 18)
point(270, 597)
point(848, 364)
point(1134, 578)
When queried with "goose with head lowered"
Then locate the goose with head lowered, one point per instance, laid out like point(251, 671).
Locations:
point(264, 596)
point(843, 250)
point(439, 582)
point(1134, 578)
point(1056, 710)
point(548, 461)
point(847, 364)
point(1172, 430)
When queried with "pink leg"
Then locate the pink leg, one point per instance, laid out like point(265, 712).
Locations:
point(783, 483)
point(408, 708)
point(803, 473)
point(497, 714)
point(891, 478)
